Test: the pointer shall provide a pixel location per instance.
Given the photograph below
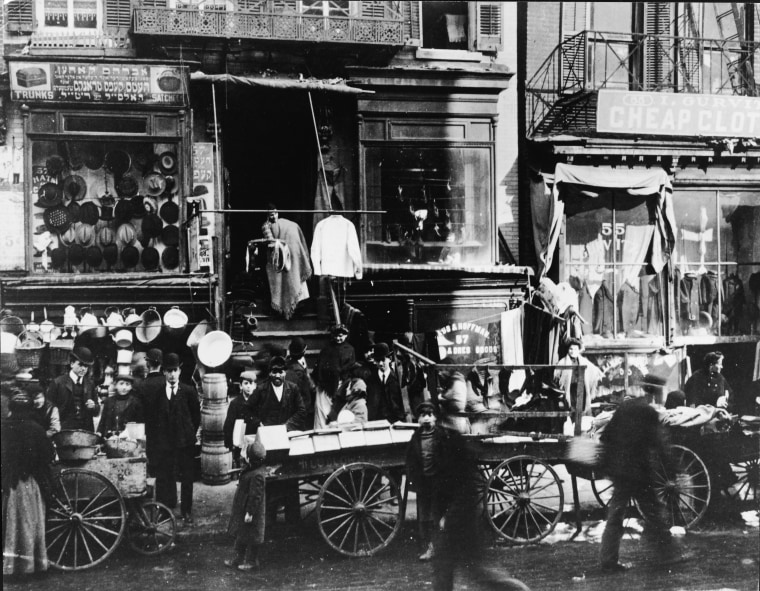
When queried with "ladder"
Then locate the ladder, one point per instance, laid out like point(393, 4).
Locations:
point(740, 69)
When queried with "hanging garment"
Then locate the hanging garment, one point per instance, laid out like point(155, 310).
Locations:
point(733, 304)
point(332, 196)
point(709, 289)
point(335, 250)
point(604, 309)
point(287, 282)
point(689, 296)
point(652, 305)
point(585, 303)
point(629, 303)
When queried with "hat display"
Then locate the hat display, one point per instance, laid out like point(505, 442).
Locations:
point(297, 347)
point(57, 219)
point(130, 256)
point(167, 162)
point(149, 258)
point(94, 256)
point(117, 162)
point(155, 356)
point(171, 361)
point(107, 202)
point(69, 236)
point(49, 195)
point(138, 207)
point(199, 190)
point(277, 362)
point(126, 233)
point(110, 253)
point(149, 205)
point(172, 185)
point(125, 210)
point(155, 184)
point(83, 355)
point(169, 211)
point(380, 351)
point(85, 234)
point(75, 210)
point(93, 155)
point(75, 155)
point(248, 375)
point(339, 329)
point(170, 257)
point(170, 235)
point(89, 213)
point(127, 186)
point(54, 165)
point(106, 236)
point(75, 187)
point(58, 257)
point(214, 348)
point(76, 254)
point(152, 226)
point(143, 158)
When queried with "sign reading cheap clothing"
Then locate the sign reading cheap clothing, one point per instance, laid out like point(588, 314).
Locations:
point(80, 82)
point(663, 113)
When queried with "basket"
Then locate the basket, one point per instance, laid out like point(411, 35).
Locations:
point(60, 351)
point(29, 349)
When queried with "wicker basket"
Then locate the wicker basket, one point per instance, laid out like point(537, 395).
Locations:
point(29, 349)
point(60, 351)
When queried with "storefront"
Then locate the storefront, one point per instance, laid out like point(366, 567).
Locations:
point(107, 173)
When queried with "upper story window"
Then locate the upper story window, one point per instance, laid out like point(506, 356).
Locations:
point(445, 25)
point(69, 15)
point(325, 8)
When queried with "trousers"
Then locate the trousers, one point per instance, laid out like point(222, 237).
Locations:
point(173, 465)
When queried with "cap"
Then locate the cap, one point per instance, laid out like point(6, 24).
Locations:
point(124, 376)
point(248, 375)
point(425, 407)
point(339, 329)
point(256, 450)
point(297, 347)
point(380, 351)
point(155, 356)
point(171, 361)
point(83, 355)
point(276, 362)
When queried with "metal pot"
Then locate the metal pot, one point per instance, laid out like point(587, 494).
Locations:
point(150, 326)
point(75, 453)
point(76, 437)
point(175, 321)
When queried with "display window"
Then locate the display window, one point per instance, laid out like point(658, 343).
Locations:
point(438, 210)
point(718, 262)
point(105, 206)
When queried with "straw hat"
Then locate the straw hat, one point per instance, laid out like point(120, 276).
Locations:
point(167, 162)
point(126, 233)
point(106, 236)
point(85, 234)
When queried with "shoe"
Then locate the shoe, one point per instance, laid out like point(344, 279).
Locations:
point(231, 563)
point(246, 566)
point(616, 567)
point(428, 554)
point(188, 519)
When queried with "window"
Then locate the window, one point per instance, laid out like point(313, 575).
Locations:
point(69, 15)
point(439, 209)
point(460, 27)
point(326, 8)
point(445, 25)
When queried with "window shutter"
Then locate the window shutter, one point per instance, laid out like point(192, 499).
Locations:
point(657, 72)
point(412, 12)
point(19, 15)
point(118, 14)
point(372, 9)
point(488, 26)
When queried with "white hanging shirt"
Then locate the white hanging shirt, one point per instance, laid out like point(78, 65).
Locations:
point(335, 249)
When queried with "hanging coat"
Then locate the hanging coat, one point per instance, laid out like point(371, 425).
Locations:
point(604, 308)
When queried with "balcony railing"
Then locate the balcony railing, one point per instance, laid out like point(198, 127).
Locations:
point(238, 23)
point(565, 85)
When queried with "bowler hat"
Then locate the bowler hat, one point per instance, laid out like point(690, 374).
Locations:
point(89, 213)
point(83, 355)
point(171, 361)
point(94, 256)
point(54, 165)
point(110, 253)
point(380, 351)
point(149, 258)
point(130, 256)
point(297, 347)
point(118, 162)
point(276, 362)
point(127, 186)
point(76, 254)
point(152, 226)
point(75, 210)
point(93, 155)
point(124, 210)
point(58, 257)
point(170, 235)
point(155, 356)
point(170, 257)
point(75, 187)
point(339, 329)
point(49, 195)
point(167, 162)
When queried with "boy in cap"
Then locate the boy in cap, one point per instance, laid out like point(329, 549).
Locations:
point(333, 365)
point(237, 410)
point(248, 518)
point(296, 371)
point(122, 408)
point(74, 392)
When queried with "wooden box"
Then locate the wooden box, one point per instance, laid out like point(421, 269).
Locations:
point(352, 437)
point(326, 440)
point(301, 443)
point(377, 432)
point(402, 432)
point(275, 440)
point(129, 475)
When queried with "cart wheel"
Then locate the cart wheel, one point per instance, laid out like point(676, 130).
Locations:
point(85, 519)
point(747, 484)
point(602, 489)
point(151, 527)
point(359, 509)
point(686, 491)
point(524, 499)
point(308, 493)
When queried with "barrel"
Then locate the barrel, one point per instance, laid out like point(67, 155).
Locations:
point(212, 420)
point(216, 463)
point(215, 387)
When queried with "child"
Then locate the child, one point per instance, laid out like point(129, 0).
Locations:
point(248, 519)
point(122, 408)
point(239, 410)
point(355, 408)
point(422, 459)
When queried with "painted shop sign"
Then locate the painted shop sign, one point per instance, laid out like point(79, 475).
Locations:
point(664, 113)
point(78, 82)
point(466, 342)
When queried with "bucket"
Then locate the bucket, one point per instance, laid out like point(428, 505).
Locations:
point(123, 338)
point(215, 387)
point(216, 463)
point(175, 321)
point(213, 415)
point(214, 349)
point(124, 357)
point(150, 326)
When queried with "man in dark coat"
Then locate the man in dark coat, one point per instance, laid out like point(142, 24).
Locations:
point(708, 385)
point(333, 365)
point(153, 360)
point(277, 401)
point(297, 372)
point(633, 443)
point(172, 417)
point(384, 399)
point(74, 392)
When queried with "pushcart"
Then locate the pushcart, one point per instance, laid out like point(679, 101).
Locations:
point(95, 504)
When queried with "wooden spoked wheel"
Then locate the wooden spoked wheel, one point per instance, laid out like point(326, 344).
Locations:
point(359, 509)
point(685, 488)
point(85, 519)
point(524, 499)
point(602, 489)
point(747, 473)
point(151, 527)
point(308, 493)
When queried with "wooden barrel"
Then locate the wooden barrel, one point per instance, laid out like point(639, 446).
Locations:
point(216, 463)
point(213, 415)
point(215, 387)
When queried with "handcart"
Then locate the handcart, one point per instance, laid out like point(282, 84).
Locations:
point(97, 501)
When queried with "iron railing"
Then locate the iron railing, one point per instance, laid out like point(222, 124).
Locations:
point(592, 60)
point(236, 22)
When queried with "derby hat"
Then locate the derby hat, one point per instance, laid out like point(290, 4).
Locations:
point(126, 233)
point(117, 162)
point(94, 257)
point(170, 235)
point(76, 254)
point(75, 187)
point(170, 211)
point(85, 234)
point(278, 363)
point(49, 195)
point(125, 210)
point(149, 258)
point(199, 190)
point(83, 355)
point(155, 184)
point(151, 226)
point(57, 219)
point(155, 356)
point(54, 165)
point(297, 347)
point(380, 351)
point(110, 254)
point(69, 236)
point(130, 256)
point(89, 213)
point(93, 155)
point(170, 257)
point(127, 186)
point(58, 257)
point(167, 162)
point(171, 362)
point(106, 236)
point(138, 207)
point(75, 210)
point(143, 158)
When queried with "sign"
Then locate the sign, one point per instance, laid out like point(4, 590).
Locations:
point(77, 82)
point(665, 113)
point(12, 236)
point(467, 342)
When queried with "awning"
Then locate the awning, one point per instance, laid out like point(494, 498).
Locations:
point(547, 208)
point(316, 84)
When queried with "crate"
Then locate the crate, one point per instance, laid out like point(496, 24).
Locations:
point(352, 438)
point(326, 440)
point(301, 443)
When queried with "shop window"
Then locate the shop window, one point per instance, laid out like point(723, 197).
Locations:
point(106, 124)
point(438, 207)
point(607, 238)
point(69, 15)
point(718, 263)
